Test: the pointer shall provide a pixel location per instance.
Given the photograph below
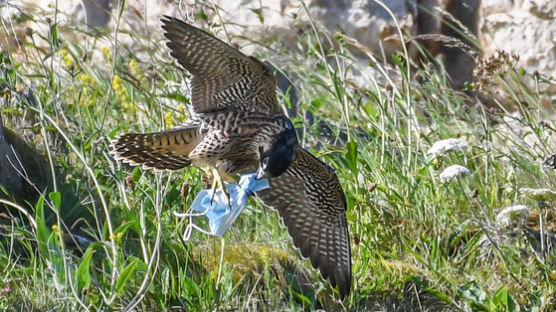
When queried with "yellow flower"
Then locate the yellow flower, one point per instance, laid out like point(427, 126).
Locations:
point(87, 84)
point(134, 66)
point(116, 236)
point(66, 58)
point(106, 53)
point(169, 120)
point(118, 87)
point(68, 61)
point(86, 80)
point(182, 117)
point(116, 82)
point(127, 105)
point(55, 228)
point(123, 96)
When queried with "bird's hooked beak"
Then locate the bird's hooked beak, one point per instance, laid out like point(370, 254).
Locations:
point(260, 173)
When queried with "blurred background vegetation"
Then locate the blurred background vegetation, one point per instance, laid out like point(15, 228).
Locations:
point(79, 231)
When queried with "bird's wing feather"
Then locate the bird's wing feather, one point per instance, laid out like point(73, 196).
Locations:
point(160, 150)
point(223, 77)
point(312, 205)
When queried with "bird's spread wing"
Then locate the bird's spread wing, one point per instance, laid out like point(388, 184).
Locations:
point(312, 204)
point(223, 77)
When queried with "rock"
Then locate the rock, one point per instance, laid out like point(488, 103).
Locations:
point(364, 20)
point(525, 28)
point(460, 62)
point(24, 172)
point(96, 17)
point(10, 167)
point(97, 12)
point(23, 150)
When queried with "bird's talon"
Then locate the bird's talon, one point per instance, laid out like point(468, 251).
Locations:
point(218, 184)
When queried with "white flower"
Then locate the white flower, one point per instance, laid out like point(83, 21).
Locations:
point(444, 146)
point(538, 194)
point(453, 172)
point(512, 215)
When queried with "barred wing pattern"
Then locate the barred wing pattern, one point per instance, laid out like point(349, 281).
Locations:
point(223, 77)
point(312, 205)
point(161, 150)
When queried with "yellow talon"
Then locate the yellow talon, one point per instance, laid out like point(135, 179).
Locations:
point(218, 178)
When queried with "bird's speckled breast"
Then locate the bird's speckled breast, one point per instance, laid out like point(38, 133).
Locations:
point(246, 131)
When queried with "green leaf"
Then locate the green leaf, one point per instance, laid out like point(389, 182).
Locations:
point(43, 233)
point(299, 296)
point(351, 156)
point(338, 88)
point(505, 299)
point(123, 228)
point(191, 287)
point(83, 276)
point(11, 111)
point(126, 275)
point(202, 15)
point(400, 61)
point(317, 103)
point(54, 35)
point(4, 190)
point(136, 174)
point(369, 109)
point(57, 260)
point(259, 13)
point(63, 161)
point(56, 199)
point(177, 96)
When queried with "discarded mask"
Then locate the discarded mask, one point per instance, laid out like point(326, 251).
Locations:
point(220, 210)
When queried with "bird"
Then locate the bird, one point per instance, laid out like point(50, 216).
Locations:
point(239, 127)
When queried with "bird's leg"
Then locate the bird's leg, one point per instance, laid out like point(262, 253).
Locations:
point(218, 183)
point(219, 177)
point(213, 178)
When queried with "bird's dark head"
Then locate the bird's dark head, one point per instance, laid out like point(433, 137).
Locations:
point(275, 158)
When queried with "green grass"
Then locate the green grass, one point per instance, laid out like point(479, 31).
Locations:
point(417, 243)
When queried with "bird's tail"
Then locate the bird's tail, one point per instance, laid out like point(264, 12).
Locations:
point(160, 150)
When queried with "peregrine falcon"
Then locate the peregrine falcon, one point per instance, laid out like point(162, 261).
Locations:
point(238, 128)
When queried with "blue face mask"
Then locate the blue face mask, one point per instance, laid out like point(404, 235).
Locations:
point(221, 213)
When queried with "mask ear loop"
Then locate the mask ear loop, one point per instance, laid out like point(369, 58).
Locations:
point(189, 230)
point(191, 225)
